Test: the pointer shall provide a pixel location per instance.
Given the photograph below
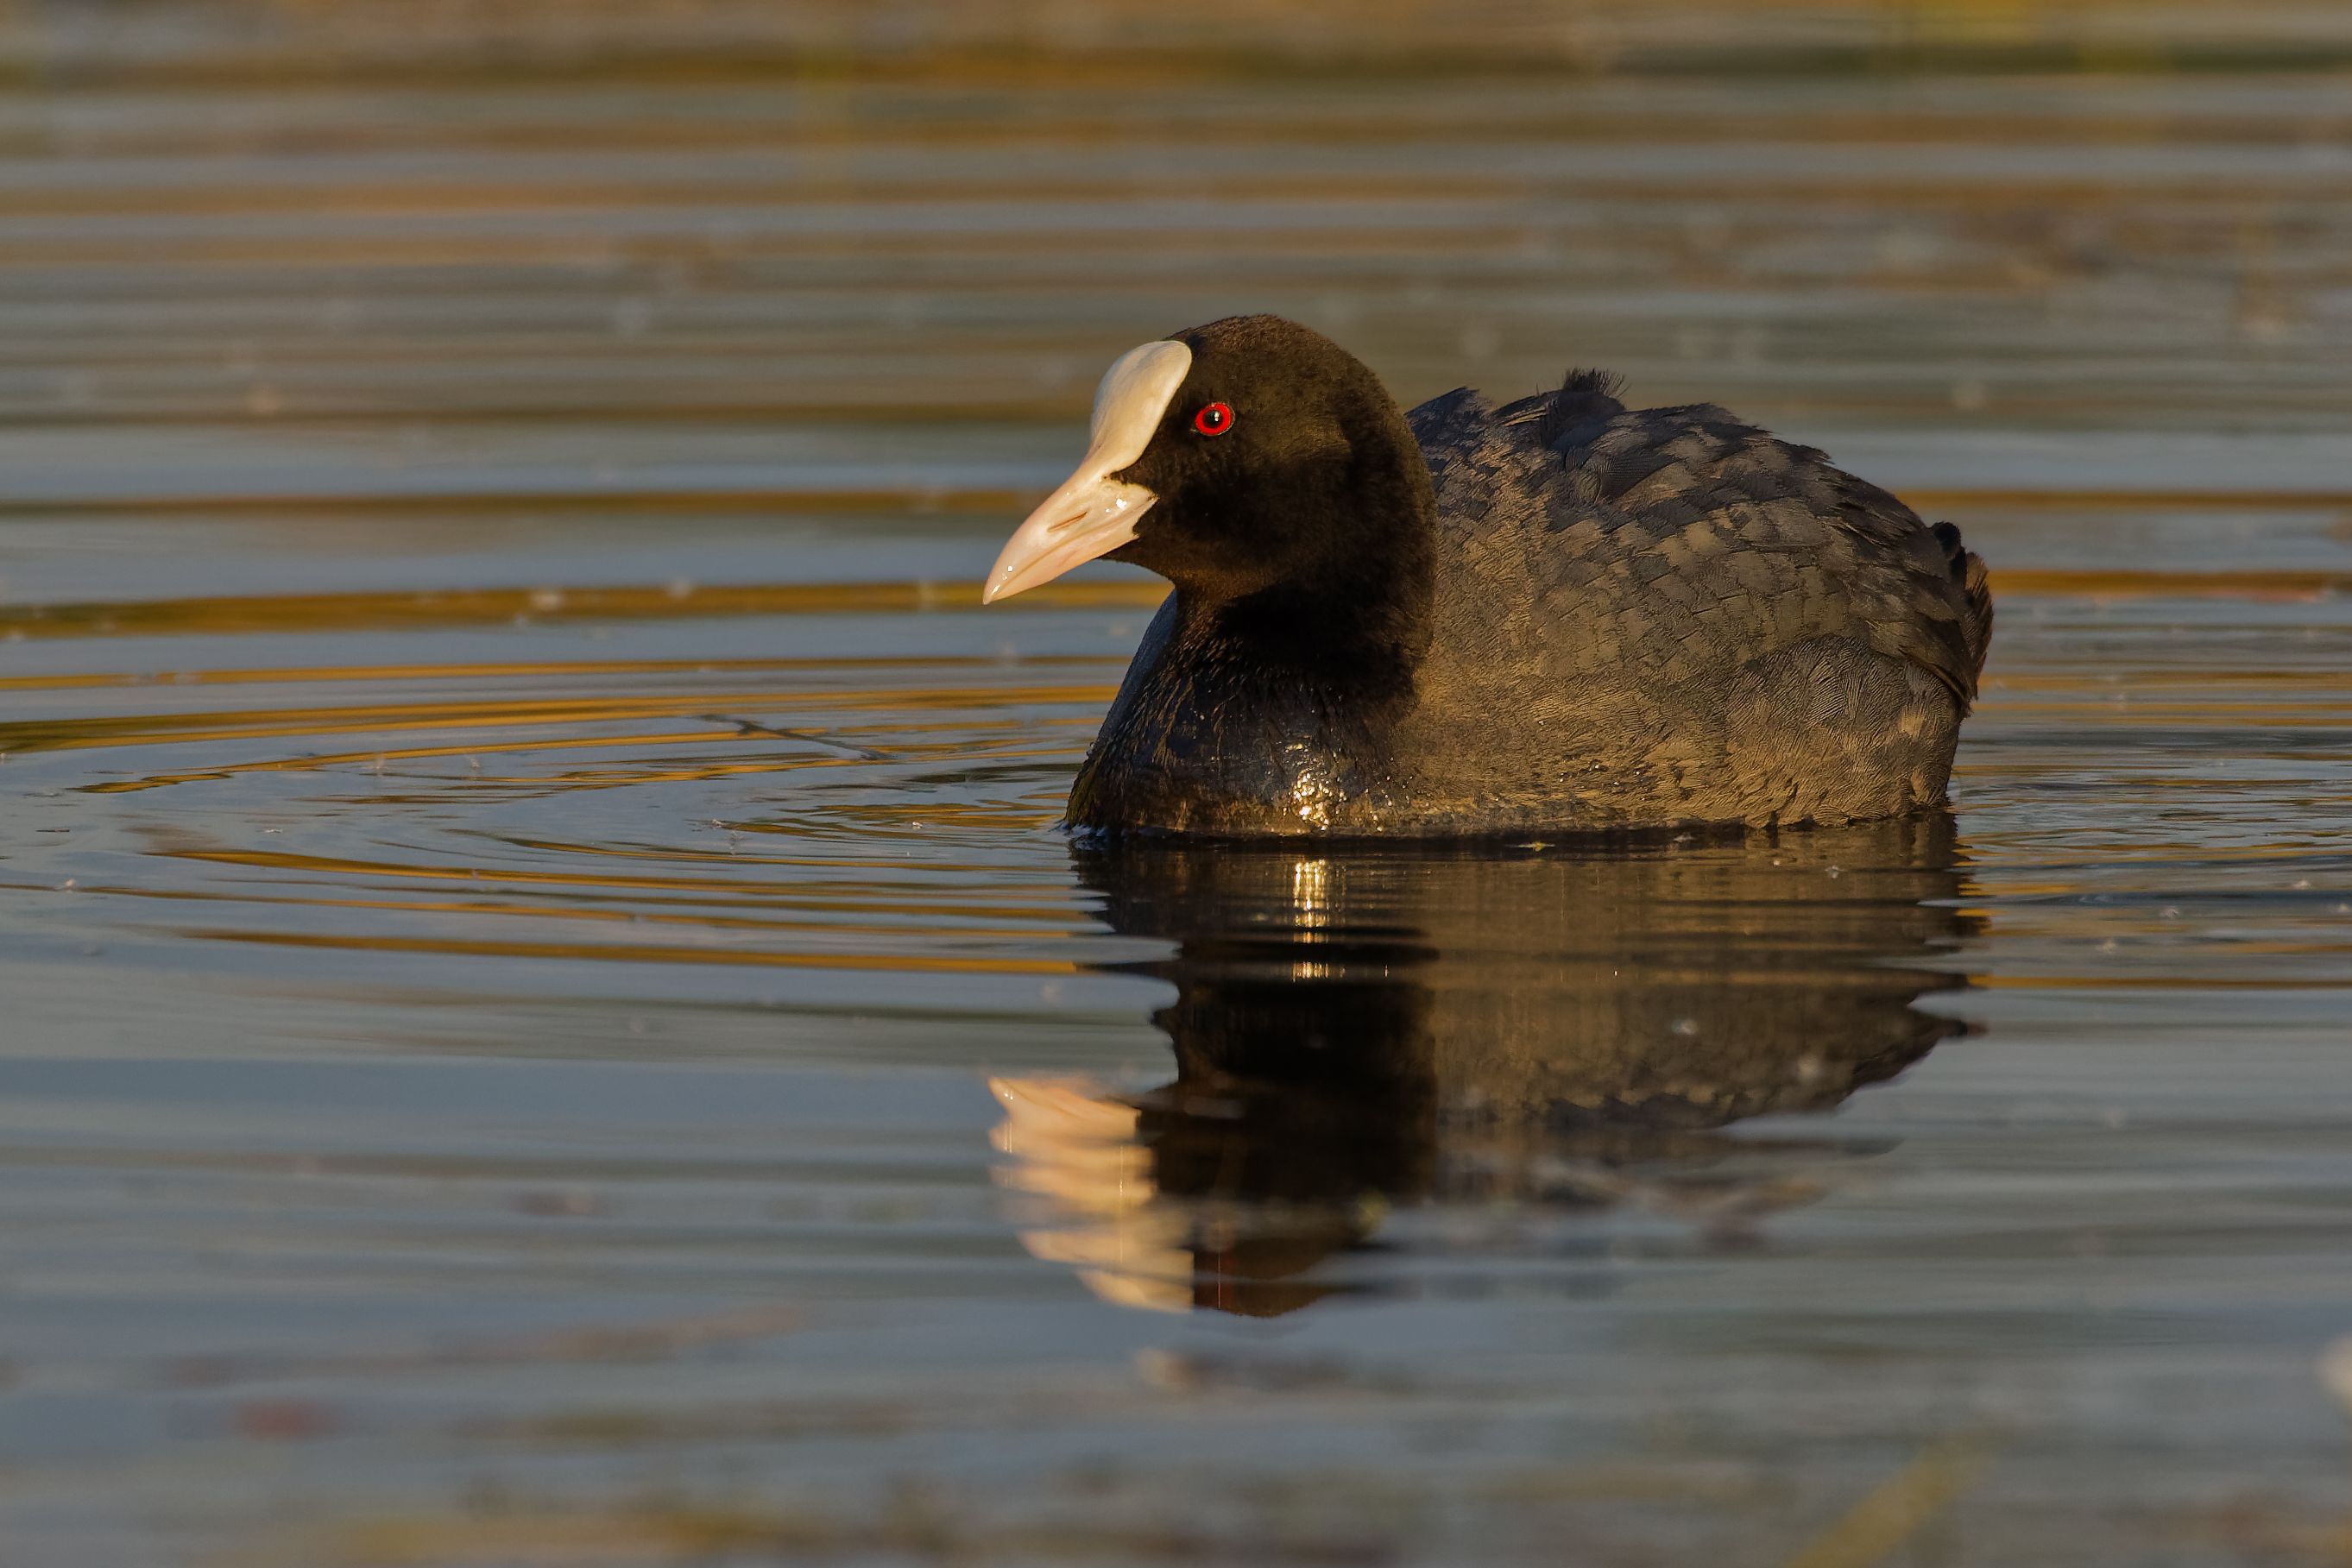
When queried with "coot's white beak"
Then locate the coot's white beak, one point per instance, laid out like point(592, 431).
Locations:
point(1092, 514)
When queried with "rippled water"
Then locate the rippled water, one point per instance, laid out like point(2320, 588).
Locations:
point(546, 1019)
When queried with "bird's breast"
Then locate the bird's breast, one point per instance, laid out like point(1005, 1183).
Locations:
point(1205, 741)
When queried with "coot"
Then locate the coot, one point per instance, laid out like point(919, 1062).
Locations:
point(1559, 616)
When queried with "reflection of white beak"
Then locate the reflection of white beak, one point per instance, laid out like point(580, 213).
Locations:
point(1090, 1193)
point(1093, 513)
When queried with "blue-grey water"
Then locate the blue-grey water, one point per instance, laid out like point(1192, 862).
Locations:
point(543, 1018)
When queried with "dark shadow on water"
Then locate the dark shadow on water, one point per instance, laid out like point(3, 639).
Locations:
point(1356, 1031)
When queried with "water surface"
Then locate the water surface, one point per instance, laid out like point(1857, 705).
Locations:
point(547, 1021)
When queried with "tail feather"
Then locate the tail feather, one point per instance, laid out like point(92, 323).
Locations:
point(1968, 570)
point(1979, 593)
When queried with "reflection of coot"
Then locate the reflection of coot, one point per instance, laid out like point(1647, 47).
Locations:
point(1352, 1026)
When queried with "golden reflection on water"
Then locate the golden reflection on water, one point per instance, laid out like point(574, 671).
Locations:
point(344, 612)
point(367, 612)
point(622, 952)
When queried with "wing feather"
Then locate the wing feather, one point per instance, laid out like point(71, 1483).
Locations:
point(1688, 525)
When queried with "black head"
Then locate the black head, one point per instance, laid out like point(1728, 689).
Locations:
point(1247, 456)
point(1280, 458)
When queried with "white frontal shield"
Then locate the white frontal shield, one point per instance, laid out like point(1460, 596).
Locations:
point(1092, 514)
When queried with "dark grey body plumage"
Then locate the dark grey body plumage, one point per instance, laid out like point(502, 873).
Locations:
point(1625, 618)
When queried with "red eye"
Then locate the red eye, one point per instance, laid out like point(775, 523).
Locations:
point(1214, 419)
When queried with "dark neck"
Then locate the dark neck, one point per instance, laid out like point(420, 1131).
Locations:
point(1268, 709)
point(1356, 621)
